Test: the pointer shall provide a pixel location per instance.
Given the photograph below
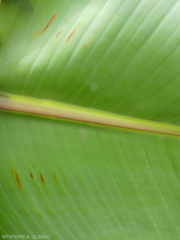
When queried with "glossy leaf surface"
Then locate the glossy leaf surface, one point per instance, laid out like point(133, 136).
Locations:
point(117, 56)
point(74, 180)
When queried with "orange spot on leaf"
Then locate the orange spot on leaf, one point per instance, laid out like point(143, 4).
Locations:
point(31, 175)
point(8, 182)
point(42, 179)
point(11, 170)
point(58, 34)
point(79, 24)
point(36, 33)
point(55, 176)
point(50, 21)
point(70, 35)
point(85, 45)
point(18, 181)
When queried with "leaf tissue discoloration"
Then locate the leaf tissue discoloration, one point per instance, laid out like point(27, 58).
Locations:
point(36, 33)
point(50, 21)
point(18, 181)
point(58, 34)
point(70, 35)
point(55, 177)
point(31, 175)
point(42, 179)
point(9, 183)
point(11, 170)
point(85, 45)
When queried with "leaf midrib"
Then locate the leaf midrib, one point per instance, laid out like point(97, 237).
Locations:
point(71, 112)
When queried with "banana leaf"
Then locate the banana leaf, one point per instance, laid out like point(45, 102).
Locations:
point(89, 119)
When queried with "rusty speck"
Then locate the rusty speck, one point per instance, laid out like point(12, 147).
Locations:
point(42, 179)
point(70, 35)
point(50, 21)
point(85, 45)
point(8, 182)
point(31, 175)
point(18, 181)
point(55, 176)
point(11, 170)
point(79, 24)
point(58, 34)
point(36, 33)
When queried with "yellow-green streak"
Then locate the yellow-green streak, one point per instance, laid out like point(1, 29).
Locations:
point(65, 111)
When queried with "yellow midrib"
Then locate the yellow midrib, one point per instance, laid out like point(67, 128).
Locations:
point(61, 110)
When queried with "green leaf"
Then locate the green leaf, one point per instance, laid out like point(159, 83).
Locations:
point(83, 83)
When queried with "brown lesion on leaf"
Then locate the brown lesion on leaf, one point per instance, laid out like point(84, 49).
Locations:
point(42, 179)
point(9, 183)
point(31, 175)
point(18, 181)
point(84, 46)
point(50, 21)
point(11, 170)
point(70, 35)
point(55, 177)
point(57, 35)
point(36, 33)
point(79, 24)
